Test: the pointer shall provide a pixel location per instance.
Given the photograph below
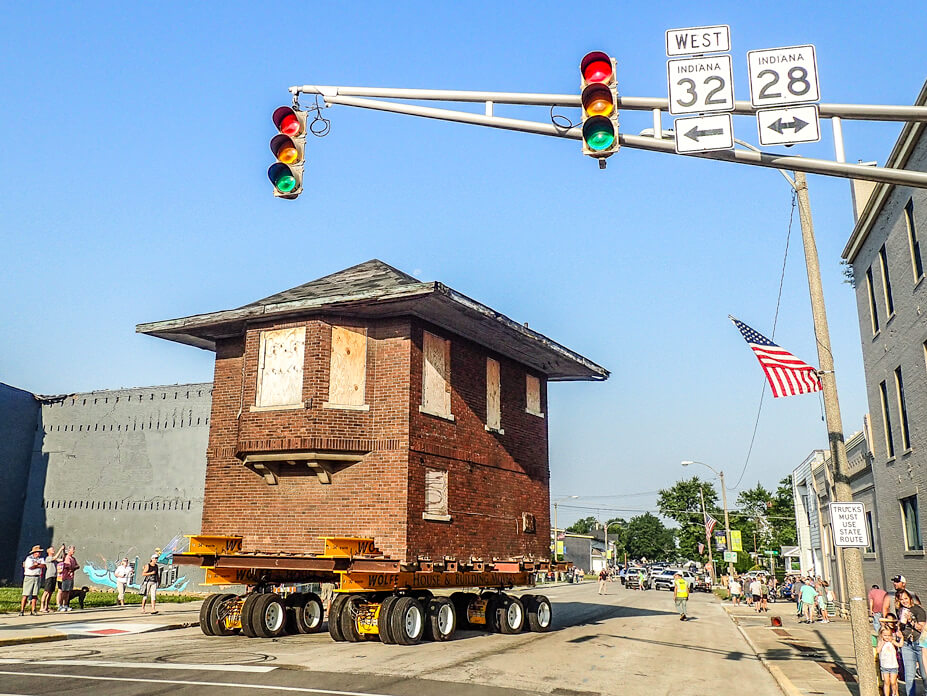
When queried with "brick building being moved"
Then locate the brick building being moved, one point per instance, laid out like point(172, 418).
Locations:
point(370, 404)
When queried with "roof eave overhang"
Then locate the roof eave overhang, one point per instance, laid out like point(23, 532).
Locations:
point(898, 159)
point(431, 302)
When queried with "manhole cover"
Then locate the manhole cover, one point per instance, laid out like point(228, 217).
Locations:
point(211, 657)
point(46, 651)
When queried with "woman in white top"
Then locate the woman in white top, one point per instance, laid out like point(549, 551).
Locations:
point(123, 575)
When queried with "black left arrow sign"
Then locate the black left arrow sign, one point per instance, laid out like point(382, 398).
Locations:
point(695, 133)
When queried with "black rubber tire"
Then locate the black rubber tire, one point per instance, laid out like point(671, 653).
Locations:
point(247, 627)
point(306, 614)
point(402, 613)
point(439, 610)
point(292, 601)
point(492, 612)
point(386, 608)
point(267, 606)
point(204, 614)
point(461, 600)
point(216, 623)
point(334, 617)
point(538, 614)
point(510, 614)
point(348, 619)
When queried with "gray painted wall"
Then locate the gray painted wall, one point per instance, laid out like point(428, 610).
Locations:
point(118, 473)
point(19, 417)
point(899, 342)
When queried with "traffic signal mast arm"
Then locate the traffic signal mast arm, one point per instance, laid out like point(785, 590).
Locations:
point(357, 97)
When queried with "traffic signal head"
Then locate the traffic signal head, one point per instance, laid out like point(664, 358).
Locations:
point(289, 147)
point(600, 105)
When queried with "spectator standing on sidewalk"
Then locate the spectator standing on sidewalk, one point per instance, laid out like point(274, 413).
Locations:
point(123, 574)
point(680, 595)
point(32, 578)
point(50, 584)
point(911, 620)
point(603, 580)
point(66, 570)
point(876, 600)
point(807, 597)
point(886, 649)
point(151, 578)
point(890, 604)
point(735, 589)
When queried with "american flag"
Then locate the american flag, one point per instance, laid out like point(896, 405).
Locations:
point(710, 523)
point(786, 374)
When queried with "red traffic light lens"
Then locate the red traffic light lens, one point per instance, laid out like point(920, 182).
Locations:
point(598, 100)
point(286, 121)
point(597, 67)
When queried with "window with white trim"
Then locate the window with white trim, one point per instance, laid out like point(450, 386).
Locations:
point(916, 262)
point(280, 368)
point(873, 308)
point(911, 522)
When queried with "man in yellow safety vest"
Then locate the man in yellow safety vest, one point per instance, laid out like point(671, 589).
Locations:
point(680, 595)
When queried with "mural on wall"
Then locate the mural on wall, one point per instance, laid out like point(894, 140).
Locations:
point(102, 572)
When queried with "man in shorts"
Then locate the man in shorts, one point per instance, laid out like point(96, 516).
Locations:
point(66, 570)
point(50, 584)
point(32, 577)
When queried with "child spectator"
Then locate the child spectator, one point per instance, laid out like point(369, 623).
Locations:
point(887, 650)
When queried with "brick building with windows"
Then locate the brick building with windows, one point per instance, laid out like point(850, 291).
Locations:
point(370, 404)
point(886, 250)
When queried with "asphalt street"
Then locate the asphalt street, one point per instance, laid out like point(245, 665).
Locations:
point(625, 642)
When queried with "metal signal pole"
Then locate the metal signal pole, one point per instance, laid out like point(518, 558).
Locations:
point(852, 556)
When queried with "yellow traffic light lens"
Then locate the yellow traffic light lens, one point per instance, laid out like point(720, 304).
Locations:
point(600, 107)
point(288, 155)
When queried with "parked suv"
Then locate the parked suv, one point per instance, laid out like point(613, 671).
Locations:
point(664, 581)
point(632, 578)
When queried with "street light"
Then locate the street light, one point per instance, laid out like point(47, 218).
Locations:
point(605, 527)
point(727, 521)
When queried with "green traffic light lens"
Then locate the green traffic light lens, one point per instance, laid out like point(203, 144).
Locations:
point(598, 133)
point(285, 183)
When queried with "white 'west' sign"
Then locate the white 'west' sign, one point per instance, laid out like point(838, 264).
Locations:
point(695, 40)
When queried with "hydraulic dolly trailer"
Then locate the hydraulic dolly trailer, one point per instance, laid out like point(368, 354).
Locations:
point(375, 596)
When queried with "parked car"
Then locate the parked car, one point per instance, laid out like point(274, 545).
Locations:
point(664, 581)
point(702, 582)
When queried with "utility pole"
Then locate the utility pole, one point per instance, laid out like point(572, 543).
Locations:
point(852, 556)
point(711, 563)
point(727, 521)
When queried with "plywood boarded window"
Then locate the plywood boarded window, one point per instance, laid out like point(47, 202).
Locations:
point(533, 395)
point(493, 399)
point(436, 495)
point(436, 376)
point(348, 375)
point(280, 368)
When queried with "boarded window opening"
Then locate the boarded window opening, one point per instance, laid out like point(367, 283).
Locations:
point(493, 397)
point(436, 376)
point(436, 495)
point(348, 374)
point(280, 367)
point(533, 395)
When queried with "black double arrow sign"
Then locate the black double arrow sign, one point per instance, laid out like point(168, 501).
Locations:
point(779, 126)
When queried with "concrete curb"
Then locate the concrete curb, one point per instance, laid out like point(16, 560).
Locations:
point(785, 684)
point(50, 638)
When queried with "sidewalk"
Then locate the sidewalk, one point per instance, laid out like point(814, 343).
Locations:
point(804, 659)
point(95, 622)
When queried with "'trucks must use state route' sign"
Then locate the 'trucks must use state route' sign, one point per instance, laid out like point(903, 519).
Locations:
point(848, 521)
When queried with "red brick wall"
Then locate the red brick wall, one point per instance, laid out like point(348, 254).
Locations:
point(492, 478)
point(364, 499)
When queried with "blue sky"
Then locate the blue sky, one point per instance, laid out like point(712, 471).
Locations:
point(134, 158)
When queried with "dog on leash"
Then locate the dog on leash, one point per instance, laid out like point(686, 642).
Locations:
point(79, 595)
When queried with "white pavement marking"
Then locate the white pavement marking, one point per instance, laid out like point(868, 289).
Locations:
point(104, 628)
point(267, 687)
point(260, 669)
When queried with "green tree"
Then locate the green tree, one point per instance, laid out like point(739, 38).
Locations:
point(583, 526)
point(648, 538)
point(771, 516)
point(682, 504)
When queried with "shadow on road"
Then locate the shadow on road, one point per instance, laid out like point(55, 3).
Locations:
point(727, 654)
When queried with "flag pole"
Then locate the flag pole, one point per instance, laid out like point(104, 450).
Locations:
point(711, 563)
point(852, 556)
